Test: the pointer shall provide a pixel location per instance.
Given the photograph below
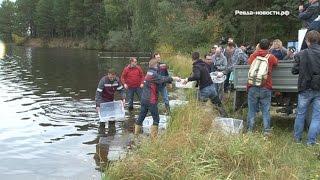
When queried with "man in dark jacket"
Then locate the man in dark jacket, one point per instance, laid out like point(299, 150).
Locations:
point(308, 67)
point(308, 13)
point(207, 89)
point(162, 88)
point(149, 98)
point(107, 87)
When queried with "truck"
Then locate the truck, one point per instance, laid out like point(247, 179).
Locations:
point(285, 88)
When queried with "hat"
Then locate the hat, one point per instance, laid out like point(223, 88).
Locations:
point(218, 77)
point(292, 49)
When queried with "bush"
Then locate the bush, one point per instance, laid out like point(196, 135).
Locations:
point(18, 40)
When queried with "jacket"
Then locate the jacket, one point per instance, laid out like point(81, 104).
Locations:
point(200, 73)
point(307, 63)
point(310, 14)
point(272, 61)
point(150, 89)
point(219, 63)
point(132, 76)
point(163, 71)
point(106, 90)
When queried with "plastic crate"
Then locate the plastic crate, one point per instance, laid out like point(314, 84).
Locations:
point(187, 86)
point(229, 125)
point(112, 111)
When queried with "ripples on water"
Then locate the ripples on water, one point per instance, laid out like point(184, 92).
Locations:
point(48, 123)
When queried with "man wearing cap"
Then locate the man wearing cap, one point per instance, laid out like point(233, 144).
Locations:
point(107, 87)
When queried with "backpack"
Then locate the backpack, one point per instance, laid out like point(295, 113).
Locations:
point(258, 71)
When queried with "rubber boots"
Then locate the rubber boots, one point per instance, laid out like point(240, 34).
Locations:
point(154, 132)
point(137, 129)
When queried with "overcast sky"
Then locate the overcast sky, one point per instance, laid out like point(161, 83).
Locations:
point(3, 0)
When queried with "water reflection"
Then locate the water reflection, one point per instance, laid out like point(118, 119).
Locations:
point(48, 116)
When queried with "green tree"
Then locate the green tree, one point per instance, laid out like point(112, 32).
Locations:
point(76, 16)
point(117, 14)
point(25, 16)
point(60, 14)
point(7, 17)
point(45, 18)
point(144, 24)
point(94, 18)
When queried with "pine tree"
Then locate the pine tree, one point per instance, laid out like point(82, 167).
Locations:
point(60, 13)
point(25, 16)
point(44, 18)
point(76, 16)
point(144, 24)
point(7, 11)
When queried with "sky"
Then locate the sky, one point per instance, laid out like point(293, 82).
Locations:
point(3, 0)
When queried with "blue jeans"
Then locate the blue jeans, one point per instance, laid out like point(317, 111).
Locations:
point(162, 89)
point(259, 96)
point(153, 108)
point(304, 100)
point(131, 92)
point(209, 92)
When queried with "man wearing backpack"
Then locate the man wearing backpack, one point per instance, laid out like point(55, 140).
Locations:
point(260, 86)
point(307, 65)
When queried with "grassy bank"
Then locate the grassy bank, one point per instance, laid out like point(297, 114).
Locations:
point(192, 148)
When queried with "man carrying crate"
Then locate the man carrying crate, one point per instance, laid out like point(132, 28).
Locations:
point(107, 87)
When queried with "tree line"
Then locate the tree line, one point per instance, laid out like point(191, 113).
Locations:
point(148, 24)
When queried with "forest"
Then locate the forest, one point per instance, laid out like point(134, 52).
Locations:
point(144, 25)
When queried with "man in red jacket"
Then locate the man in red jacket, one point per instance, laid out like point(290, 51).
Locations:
point(132, 79)
point(261, 95)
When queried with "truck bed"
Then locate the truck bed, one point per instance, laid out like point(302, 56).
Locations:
point(282, 78)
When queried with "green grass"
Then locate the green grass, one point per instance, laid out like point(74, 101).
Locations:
point(191, 148)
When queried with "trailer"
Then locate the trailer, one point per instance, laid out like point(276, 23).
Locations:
point(284, 83)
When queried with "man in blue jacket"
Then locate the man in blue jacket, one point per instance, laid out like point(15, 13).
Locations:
point(149, 98)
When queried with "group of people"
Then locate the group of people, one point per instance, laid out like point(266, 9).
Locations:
point(133, 81)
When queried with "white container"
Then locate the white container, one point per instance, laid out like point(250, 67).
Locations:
point(148, 121)
point(229, 125)
point(112, 111)
point(187, 86)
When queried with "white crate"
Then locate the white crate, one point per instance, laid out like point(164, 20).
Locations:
point(112, 111)
point(229, 125)
point(188, 85)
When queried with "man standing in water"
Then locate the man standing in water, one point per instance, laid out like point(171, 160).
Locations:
point(162, 88)
point(132, 78)
point(107, 87)
point(149, 99)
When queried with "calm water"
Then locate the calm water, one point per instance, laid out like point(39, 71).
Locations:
point(48, 123)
